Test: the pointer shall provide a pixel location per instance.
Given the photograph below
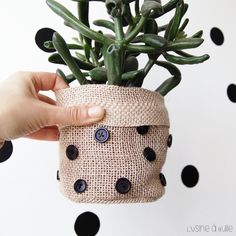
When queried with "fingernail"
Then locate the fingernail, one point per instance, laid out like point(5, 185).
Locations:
point(95, 111)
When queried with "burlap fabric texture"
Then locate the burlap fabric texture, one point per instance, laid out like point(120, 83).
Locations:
point(120, 158)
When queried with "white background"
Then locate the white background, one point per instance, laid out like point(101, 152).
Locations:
point(202, 123)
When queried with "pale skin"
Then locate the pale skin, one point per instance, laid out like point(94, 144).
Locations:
point(24, 112)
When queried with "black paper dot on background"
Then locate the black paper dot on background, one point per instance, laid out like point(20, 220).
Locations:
point(6, 151)
point(44, 34)
point(87, 224)
point(217, 36)
point(58, 176)
point(190, 176)
point(231, 92)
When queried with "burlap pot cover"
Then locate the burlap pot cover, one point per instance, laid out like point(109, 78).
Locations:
point(119, 159)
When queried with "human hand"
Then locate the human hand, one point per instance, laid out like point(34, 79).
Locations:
point(24, 112)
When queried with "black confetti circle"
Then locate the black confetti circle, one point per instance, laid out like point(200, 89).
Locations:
point(190, 176)
point(43, 35)
point(87, 224)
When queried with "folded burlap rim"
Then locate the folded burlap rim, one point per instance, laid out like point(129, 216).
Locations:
point(125, 106)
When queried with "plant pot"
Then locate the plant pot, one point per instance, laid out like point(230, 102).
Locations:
point(120, 158)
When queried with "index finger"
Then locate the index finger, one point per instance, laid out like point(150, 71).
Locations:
point(48, 81)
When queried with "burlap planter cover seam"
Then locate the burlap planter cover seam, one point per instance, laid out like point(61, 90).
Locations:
point(102, 165)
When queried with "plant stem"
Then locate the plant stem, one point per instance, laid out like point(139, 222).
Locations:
point(136, 30)
point(150, 64)
point(118, 28)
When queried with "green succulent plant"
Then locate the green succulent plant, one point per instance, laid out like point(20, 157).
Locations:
point(112, 58)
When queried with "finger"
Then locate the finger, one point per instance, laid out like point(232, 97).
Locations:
point(83, 114)
point(46, 99)
point(46, 133)
point(48, 81)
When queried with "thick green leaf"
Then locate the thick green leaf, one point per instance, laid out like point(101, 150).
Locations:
point(57, 59)
point(127, 16)
point(60, 45)
point(168, 85)
point(131, 64)
point(136, 81)
point(149, 7)
point(186, 60)
point(152, 40)
point(184, 43)
point(62, 75)
point(131, 75)
point(173, 26)
point(183, 26)
point(150, 27)
point(142, 49)
point(198, 34)
point(87, 52)
point(98, 74)
point(170, 5)
point(173, 70)
point(83, 14)
point(105, 23)
point(73, 22)
point(80, 56)
point(49, 45)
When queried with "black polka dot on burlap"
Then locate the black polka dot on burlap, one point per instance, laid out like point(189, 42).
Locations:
point(162, 179)
point(190, 176)
point(142, 129)
point(6, 151)
point(43, 35)
point(72, 152)
point(123, 185)
point(87, 224)
point(149, 154)
point(169, 140)
point(217, 36)
point(80, 186)
point(231, 92)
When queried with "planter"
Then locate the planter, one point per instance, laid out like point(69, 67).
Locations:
point(120, 158)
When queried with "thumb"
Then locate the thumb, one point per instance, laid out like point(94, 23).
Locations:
point(83, 114)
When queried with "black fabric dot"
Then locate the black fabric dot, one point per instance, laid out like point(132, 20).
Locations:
point(142, 129)
point(6, 151)
point(72, 152)
point(87, 224)
point(58, 177)
point(162, 179)
point(231, 92)
point(123, 185)
point(43, 35)
point(217, 36)
point(149, 154)
point(80, 186)
point(190, 176)
point(169, 141)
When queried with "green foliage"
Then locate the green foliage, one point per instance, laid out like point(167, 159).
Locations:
point(101, 58)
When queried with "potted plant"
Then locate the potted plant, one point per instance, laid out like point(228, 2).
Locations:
point(120, 158)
